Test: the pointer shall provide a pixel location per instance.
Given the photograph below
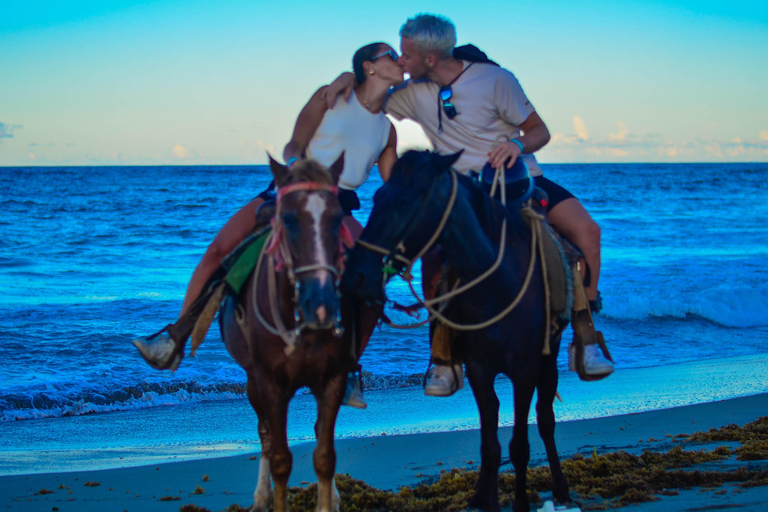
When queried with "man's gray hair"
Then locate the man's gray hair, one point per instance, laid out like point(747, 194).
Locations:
point(431, 33)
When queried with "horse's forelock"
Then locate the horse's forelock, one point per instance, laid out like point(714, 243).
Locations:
point(310, 171)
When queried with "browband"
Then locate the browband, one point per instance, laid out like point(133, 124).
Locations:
point(306, 185)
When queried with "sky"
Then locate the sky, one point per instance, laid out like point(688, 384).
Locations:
point(115, 82)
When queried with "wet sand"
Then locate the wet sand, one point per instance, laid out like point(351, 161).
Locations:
point(385, 462)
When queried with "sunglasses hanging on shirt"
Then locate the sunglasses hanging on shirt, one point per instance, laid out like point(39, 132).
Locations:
point(443, 100)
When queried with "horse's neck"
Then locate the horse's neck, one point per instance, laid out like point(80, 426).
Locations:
point(471, 239)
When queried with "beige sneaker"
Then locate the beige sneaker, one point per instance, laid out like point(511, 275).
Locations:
point(161, 353)
point(444, 380)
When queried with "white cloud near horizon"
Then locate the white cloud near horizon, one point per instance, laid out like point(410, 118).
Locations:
point(180, 151)
point(621, 134)
point(580, 128)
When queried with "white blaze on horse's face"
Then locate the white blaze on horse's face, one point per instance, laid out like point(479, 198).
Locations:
point(316, 205)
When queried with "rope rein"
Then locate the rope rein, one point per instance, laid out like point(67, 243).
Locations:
point(537, 251)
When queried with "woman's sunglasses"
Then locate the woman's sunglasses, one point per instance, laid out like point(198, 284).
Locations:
point(392, 53)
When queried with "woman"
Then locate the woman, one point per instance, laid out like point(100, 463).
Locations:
point(358, 128)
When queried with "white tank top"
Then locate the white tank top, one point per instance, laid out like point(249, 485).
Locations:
point(361, 135)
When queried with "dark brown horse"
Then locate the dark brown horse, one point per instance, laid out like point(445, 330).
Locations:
point(409, 211)
point(285, 330)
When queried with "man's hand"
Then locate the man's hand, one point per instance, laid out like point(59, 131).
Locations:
point(506, 152)
point(344, 84)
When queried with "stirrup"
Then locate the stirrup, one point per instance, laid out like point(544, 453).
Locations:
point(353, 396)
point(444, 380)
point(576, 355)
point(160, 352)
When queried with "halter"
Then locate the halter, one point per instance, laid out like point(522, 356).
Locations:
point(280, 257)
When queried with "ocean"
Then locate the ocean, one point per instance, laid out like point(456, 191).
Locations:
point(91, 257)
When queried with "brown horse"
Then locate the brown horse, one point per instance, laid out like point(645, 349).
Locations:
point(285, 329)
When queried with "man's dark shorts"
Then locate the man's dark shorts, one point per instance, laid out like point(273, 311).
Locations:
point(348, 199)
point(555, 192)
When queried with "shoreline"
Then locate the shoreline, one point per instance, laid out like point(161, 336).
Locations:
point(384, 462)
point(200, 430)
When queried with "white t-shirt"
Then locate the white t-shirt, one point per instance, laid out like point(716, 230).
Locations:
point(361, 135)
point(490, 104)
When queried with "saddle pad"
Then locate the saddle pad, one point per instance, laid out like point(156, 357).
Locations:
point(241, 262)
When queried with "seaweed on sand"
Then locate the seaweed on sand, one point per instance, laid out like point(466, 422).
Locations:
point(599, 481)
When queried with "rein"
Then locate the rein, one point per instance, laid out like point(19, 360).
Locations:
point(429, 304)
point(280, 257)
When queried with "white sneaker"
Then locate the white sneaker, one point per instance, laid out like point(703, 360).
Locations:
point(595, 363)
point(444, 380)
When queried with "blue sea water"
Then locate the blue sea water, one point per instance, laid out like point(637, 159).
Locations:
point(91, 257)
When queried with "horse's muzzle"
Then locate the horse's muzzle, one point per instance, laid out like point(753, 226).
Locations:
point(319, 305)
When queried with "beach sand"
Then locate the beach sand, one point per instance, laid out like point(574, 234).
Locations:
point(388, 462)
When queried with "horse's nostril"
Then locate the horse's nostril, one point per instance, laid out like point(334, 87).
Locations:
point(321, 314)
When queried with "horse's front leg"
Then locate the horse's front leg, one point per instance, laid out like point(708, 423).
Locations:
point(545, 417)
point(486, 495)
point(324, 457)
point(263, 486)
point(519, 448)
point(280, 460)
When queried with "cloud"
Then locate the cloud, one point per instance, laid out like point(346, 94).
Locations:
point(580, 128)
point(6, 130)
point(263, 146)
point(621, 134)
point(180, 151)
point(622, 153)
point(764, 135)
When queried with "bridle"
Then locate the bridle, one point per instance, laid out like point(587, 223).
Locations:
point(436, 312)
point(279, 258)
point(398, 253)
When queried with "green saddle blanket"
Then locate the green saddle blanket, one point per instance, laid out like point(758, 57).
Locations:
point(239, 264)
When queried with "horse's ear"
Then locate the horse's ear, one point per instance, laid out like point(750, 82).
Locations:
point(279, 171)
point(336, 168)
point(449, 160)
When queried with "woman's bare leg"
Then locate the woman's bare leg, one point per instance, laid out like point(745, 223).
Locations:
point(234, 231)
point(572, 220)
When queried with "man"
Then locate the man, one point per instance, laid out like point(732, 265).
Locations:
point(480, 108)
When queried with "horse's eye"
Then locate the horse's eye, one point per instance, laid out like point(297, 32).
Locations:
point(290, 220)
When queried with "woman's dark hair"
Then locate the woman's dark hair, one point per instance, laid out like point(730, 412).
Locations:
point(364, 54)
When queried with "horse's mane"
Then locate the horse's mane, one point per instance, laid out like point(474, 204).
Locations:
point(310, 171)
point(490, 212)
